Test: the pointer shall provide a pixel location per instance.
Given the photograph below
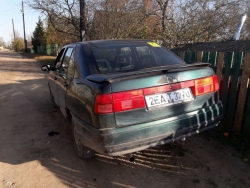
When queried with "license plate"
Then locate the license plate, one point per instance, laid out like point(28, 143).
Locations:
point(169, 98)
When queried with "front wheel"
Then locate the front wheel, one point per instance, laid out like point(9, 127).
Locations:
point(82, 151)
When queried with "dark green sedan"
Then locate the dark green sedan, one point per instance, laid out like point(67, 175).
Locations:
point(122, 96)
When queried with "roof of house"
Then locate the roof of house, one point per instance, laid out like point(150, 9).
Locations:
point(225, 46)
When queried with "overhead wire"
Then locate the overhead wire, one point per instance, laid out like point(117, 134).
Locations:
point(8, 10)
point(6, 23)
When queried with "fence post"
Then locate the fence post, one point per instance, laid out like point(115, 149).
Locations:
point(213, 60)
point(220, 65)
point(226, 75)
point(246, 117)
point(199, 56)
point(187, 56)
point(230, 112)
point(242, 94)
point(206, 56)
point(182, 55)
point(193, 57)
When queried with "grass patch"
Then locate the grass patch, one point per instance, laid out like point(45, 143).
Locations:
point(43, 59)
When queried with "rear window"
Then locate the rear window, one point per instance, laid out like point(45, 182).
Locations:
point(132, 57)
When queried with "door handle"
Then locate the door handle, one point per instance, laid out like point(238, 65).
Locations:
point(65, 84)
point(55, 78)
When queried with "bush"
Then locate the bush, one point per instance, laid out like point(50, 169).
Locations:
point(18, 44)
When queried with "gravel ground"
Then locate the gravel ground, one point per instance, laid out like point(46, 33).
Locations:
point(30, 158)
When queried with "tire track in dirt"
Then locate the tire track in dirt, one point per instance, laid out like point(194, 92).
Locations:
point(30, 158)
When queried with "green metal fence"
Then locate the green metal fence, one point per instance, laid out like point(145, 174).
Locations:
point(232, 69)
point(48, 49)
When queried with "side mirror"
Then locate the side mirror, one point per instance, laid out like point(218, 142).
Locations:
point(46, 68)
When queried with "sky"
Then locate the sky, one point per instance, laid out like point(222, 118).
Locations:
point(11, 9)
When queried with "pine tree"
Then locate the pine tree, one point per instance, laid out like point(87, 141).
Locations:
point(38, 38)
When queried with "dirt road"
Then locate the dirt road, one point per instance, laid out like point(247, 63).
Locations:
point(30, 158)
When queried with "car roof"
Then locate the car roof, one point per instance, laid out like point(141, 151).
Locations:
point(114, 41)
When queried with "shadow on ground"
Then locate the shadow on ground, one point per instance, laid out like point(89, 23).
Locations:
point(27, 116)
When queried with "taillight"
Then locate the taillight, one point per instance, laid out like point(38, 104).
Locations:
point(216, 83)
point(206, 85)
point(104, 104)
point(121, 101)
point(128, 100)
point(134, 99)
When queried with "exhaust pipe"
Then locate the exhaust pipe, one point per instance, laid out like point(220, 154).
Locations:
point(130, 157)
point(239, 26)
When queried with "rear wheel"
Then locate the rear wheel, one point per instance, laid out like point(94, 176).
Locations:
point(82, 151)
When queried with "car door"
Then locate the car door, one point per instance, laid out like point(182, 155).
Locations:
point(53, 76)
point(64, 80)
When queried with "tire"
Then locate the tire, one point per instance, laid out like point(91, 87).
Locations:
point(82, 151)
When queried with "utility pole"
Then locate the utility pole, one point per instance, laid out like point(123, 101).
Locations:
point(14, 34)
point(13, 29)
point(25, 41)
point(82, 20)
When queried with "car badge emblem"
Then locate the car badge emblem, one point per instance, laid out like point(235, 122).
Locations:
point(170, 79)
point(167, 79)
point(170, 87)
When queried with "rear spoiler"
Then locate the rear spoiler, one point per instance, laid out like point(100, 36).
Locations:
point(115, 77)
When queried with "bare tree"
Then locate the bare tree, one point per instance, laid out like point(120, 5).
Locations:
point(173, 22)
point(62, 14)
point(119, 19)
point(187, 21)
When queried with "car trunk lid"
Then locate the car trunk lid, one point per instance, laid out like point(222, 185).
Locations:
point(150, 95)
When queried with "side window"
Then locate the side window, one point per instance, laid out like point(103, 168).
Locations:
point(59, 59)
point(71, 68)
point(65, 61)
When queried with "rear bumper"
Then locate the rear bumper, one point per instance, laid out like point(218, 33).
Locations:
point(158, 140)
point(120, 141)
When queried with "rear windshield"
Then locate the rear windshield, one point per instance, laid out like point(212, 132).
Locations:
point(131, 57)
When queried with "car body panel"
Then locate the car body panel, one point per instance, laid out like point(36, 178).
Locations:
point(130, 130)
point(125, 140)
point(161, 79)
point(52, 83)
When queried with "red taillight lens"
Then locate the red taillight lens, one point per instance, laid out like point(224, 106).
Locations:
point(216, 83)
point(117, 102)
point(128, 100)
point(104, 104)
point(206, 85)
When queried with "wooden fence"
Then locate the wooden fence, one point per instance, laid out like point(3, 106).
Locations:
point(232, 69)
